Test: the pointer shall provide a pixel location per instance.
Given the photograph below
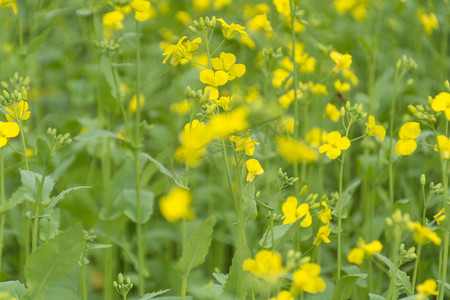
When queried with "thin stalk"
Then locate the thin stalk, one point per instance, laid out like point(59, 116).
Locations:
point(106, 176)
point(392, 291)
point(36, 212)
point(185, 276)
point(391, 137)
point(2, 222)
point(416, 266)
point(83, 275)
point(292, 5)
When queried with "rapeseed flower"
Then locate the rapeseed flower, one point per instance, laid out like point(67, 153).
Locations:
point(225, 102)
point(442, 103)
point(287, 99)
point(7, 4)
point(332, 112)
point(279, 75)
point(372, 129)
point(322, 235)
point(253, 169)
point(364, 251)
point(230, 31)
point(18, 111)
point(444, 146)
point(283, 7)
point(341, 87)
point(427, 288)
point(132, 107)
point(342, 61)
point(357, 7)
point(113, 21)
point(307, 279)
point(8, 130)
point(283, 295)
point(143, 10)
point(244, 144)
point(293, 212)
point(440, 216)
point(423, 234)
point(180, 108)
point(176, 205)
point(266, 265)
point(407, 144)
point(316, 137)
point(213, 80)
point(259, 22)
point(226, 63)
point(229, 123)
point(182, 51)
point(287, 125)
point(294, 151)
point(335, 145)
point(429, 22)
point(325, 214)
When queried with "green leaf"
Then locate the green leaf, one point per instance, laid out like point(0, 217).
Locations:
point(94, 134)
point(447, 285)
point(31, 182)
point(239, 281)
point(153, 295)
point(146, 205)
point(194, 253)
point(107, 70)
point(43, 153)
point(98, 246)
point(346, 196)
point(345, 286)
point(249, 203)
point(164, 170)
point(376, 297)
point(59, 292)
point(55, 200)
point(53, 260)
point(13, 288)
point(37, 41)
point(402, 276)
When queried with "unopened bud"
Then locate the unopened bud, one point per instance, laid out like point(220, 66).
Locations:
point(423, 179)
point(342, 111)
point(412, 109)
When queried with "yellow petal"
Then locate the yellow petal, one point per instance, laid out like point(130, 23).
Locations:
point(9, 129)
point(217, 63)
point(344, 143)
point(405, 147)
point(228, 60)
point(207, 77)
point(221, 78)
point(334, 153)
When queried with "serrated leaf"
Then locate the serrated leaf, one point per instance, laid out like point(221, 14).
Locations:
point(55, 200)
point(164, 170)
point(239, 281)
point(53, 260)
point(249, 204)
point(346, 196)
point(37, 41)
point(15, 288)
point(402, 276)
point(107, 70)
point(345, 286)
point(153, 295)
point(31, 181)
point(146, 205)
point(196, 249)
point(94, 134)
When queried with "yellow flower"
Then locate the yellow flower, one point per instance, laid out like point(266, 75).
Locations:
point(228, 123)
point(423, 234)
point(364, 251)
point(287, 125)
point(219, 4)
point(294, 151)
point(325, 214)
point(408, 132)
point(319, 89)
point(322, 235)
point(113, 20)
point(201, 5)
point(286, 99)
point(372, 129)
point(183, 17)
point(279, 76)
point(316, 137)
point(442, 103)
point(341, 87)
point(226, 62)
point(307, 279)
point(143, 10)
point(253, 168)
point(18, 111)
point(253, 94)
point(8, 130)
point(308, 66)
point(332, 112)
point(7, 4)
point(351, 76)
point(213, 80)
point(427, 288)
point(293, 212)
point(225, 102)
point(335, 145)
point(132, 108)
point(259, 22)
point(342, 61)
point(194, 140)
point(444, 146)
point(244, 144)
point(230, 31)
point(176, 205)
point(180, 108)
point(182, 50)
point(429, 22)
point(267, 265)
point(440, 216)
point(357, 8)
point(283, 7)
point(283, 295)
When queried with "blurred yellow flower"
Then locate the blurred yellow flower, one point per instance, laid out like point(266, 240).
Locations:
point(283, 7)
point(335, 145)
point(287, 125)
point(444, 146)
point(225, 102)
point(407, 144)
point(440, 216)
point(357, 7)
point(372, 129)
point(253, 94)
point(342, 61)
point(429, 22)
point(244, 144)
point(442, 103)
point(332, 112)
point(293, 212)
point(230, 31)
point(183, 17)
point(279, 75)
point(322, 235)
point(341, 87)
point(18, 111)
point(351, 76)
point(176, 205)
point(8, 130)
point(201, 5)
point(316, 137)
point(132, 108)
point(427, 288)
point(229, 123)
point(226, 63)
point(423, 234)
point(253, 169)
point(283, 295)
point(287, 98)
point(143, 10)
point(180, 108)
point(267, 265)
point(7, 4)
point(294, 151)
point(364, 251)
point(259, 22)
point(113, 20)
point(307, 279)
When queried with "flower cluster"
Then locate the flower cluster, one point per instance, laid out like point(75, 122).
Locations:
point(364, 251)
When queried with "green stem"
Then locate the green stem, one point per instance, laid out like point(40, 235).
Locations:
point(3, 215)
point(391, 138)
point(392, 291)
point(37, 212)
point(185, 276)
point(83, 275)
point(416, 266)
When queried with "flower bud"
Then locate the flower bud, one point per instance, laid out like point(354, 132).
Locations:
point(423, 179)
